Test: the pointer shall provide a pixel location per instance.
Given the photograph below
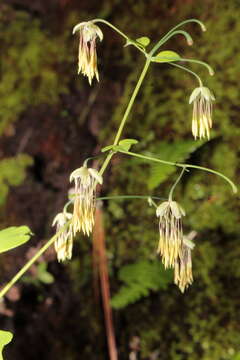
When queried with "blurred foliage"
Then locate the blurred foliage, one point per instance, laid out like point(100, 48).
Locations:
point(204, 322)
point(140, 278)
point(42, 276)
point(29, 65)
point(12, 173)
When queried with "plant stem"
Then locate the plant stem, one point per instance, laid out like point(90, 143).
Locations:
point(203, 63)
point(175, 184)
point(119, 32)
point(189, 71)
point(120, 197)
point(162, 40)
point(125, 116)
point(178, 32)
point(31, 261)
point(131, 101)
point(234, 188)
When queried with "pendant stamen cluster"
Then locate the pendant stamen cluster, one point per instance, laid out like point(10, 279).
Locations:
point(202, 99)
point(87, 54)
point(85, 180)
point(64, 242)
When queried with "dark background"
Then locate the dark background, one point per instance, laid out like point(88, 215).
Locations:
point(51, 120)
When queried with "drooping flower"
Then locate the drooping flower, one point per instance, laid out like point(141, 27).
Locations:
point(85, 181)
point(64, 242)
point(183, 276)
point(87, 56)
point(170, 231)
point(202, 99)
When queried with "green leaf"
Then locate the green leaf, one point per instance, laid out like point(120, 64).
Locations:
point(175, 152)
point(123, 145)
point(144, 41)
point(14, 236)
point(43, 275)
point(106, 148)
point(126, 144)
point(166, 56)
point(5, 338)
point(139, 279)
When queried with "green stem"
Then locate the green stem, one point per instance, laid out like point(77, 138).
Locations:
point(234, 188)
point(31, 261)
point(119, 32)
point(189, 71)
point(125, 116)
point(119, 197)
point(131, 101)
point(181, 32)
point(175, 184)
point(211, 71)
point(162, 40)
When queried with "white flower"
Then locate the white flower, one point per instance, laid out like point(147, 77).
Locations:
point(85, 180)
point(64, 242)
point(170, 231)
point(202, 99)
point(87, 57)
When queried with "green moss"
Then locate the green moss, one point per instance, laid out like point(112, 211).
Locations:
point(12, 173)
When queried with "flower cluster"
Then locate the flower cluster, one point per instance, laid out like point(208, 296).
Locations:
point(202, 99)
point(183, 266)
point(173, 247)
point(64, 242)
point(170, 231)
point(87, 56)
point(85, 181)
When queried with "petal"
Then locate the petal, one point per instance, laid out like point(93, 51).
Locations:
point(194, 94)
point(162, 208)
point(99, 32)
point(206, 93)
point(59, 219)
point(95, 174)
point(176, 210)
point(79, 26)
point(82, 171)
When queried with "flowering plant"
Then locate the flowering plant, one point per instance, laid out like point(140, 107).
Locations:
point(174, 247)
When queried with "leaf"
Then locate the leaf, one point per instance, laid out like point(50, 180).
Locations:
point(144, 41)
point(5, 338)
point(175, 152)
point(166, 56)
point(139, 279)
point(123, 145)
point(43, 275)
point(106, 148)
point(126, 144)
point(14, 236)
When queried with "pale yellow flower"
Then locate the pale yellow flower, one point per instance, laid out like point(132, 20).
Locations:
point(183, 276)
point(64, 242)
point(87, 56)
point(85, 180)
point(202, 99)
point(170, 231)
